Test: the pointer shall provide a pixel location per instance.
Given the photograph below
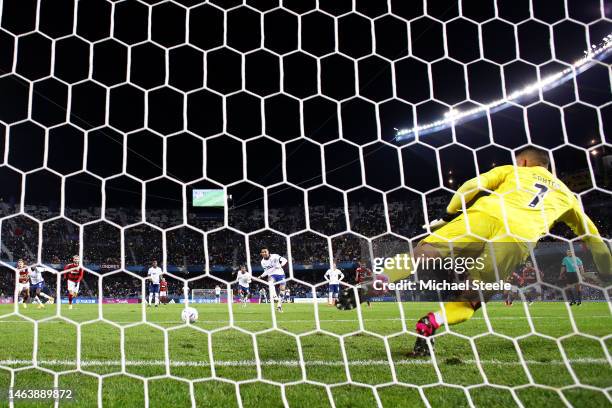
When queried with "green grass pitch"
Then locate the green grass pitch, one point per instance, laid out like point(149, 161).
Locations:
point(548, 360)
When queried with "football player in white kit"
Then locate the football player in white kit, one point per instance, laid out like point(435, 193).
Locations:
point(155, 273)
point(272, 265)
point(37, 284)
point(217, 294)
point(263, 296)
point(244, 280)
point(333, 276)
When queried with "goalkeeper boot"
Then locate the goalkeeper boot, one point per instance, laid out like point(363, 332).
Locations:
point(348, 298)
point(426, 327)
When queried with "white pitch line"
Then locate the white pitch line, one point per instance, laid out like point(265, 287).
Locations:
point(290, 363)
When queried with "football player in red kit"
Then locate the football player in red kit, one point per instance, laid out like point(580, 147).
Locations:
point(530, 276)
point(74, 275)
point(363, 274)
point(163, 291)
point(23, 282)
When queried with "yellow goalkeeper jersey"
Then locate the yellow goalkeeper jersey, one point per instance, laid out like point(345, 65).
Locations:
point(528, 200)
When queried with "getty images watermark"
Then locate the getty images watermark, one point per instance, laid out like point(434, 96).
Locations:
point(459, 265)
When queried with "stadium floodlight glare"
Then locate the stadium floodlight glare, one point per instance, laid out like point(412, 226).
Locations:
point(454, 116)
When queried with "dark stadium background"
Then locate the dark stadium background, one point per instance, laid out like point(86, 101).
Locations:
point(327, 136)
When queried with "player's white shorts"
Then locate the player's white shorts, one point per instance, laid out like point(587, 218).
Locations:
point(73, 287)
point(22, 286)
point(40, 285)
point(163, 294)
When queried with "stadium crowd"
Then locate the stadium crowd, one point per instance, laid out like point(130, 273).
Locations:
point(227, 247)
point(185, 246)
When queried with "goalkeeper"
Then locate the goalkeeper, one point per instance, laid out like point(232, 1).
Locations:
point(524, 201)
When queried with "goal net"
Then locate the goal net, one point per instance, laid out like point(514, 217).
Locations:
point(197, 134)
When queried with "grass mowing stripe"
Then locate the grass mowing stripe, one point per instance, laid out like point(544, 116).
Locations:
point(290, 363)
point(556, 360)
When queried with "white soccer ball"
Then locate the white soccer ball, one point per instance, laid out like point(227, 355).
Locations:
point(189, 315)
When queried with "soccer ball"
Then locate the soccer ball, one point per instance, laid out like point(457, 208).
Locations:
point(189, 315)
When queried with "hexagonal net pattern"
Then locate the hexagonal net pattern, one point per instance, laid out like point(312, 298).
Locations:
point(117, 112)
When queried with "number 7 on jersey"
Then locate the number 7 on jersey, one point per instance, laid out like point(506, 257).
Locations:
point(539, 196)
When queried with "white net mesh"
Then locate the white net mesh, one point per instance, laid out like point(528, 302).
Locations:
point(115, 111)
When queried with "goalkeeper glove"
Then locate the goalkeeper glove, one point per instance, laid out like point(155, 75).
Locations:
point(439, 222)
point(435, 224)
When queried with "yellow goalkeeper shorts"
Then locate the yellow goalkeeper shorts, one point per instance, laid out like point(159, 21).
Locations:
point(478, 235)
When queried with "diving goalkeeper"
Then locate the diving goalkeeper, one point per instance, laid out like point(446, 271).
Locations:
point(523, 202)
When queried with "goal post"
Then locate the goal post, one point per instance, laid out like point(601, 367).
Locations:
point(209, 296)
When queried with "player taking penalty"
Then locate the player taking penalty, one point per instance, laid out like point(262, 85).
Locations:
point(273, 265)
point(523, 202)
point(74, 276)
